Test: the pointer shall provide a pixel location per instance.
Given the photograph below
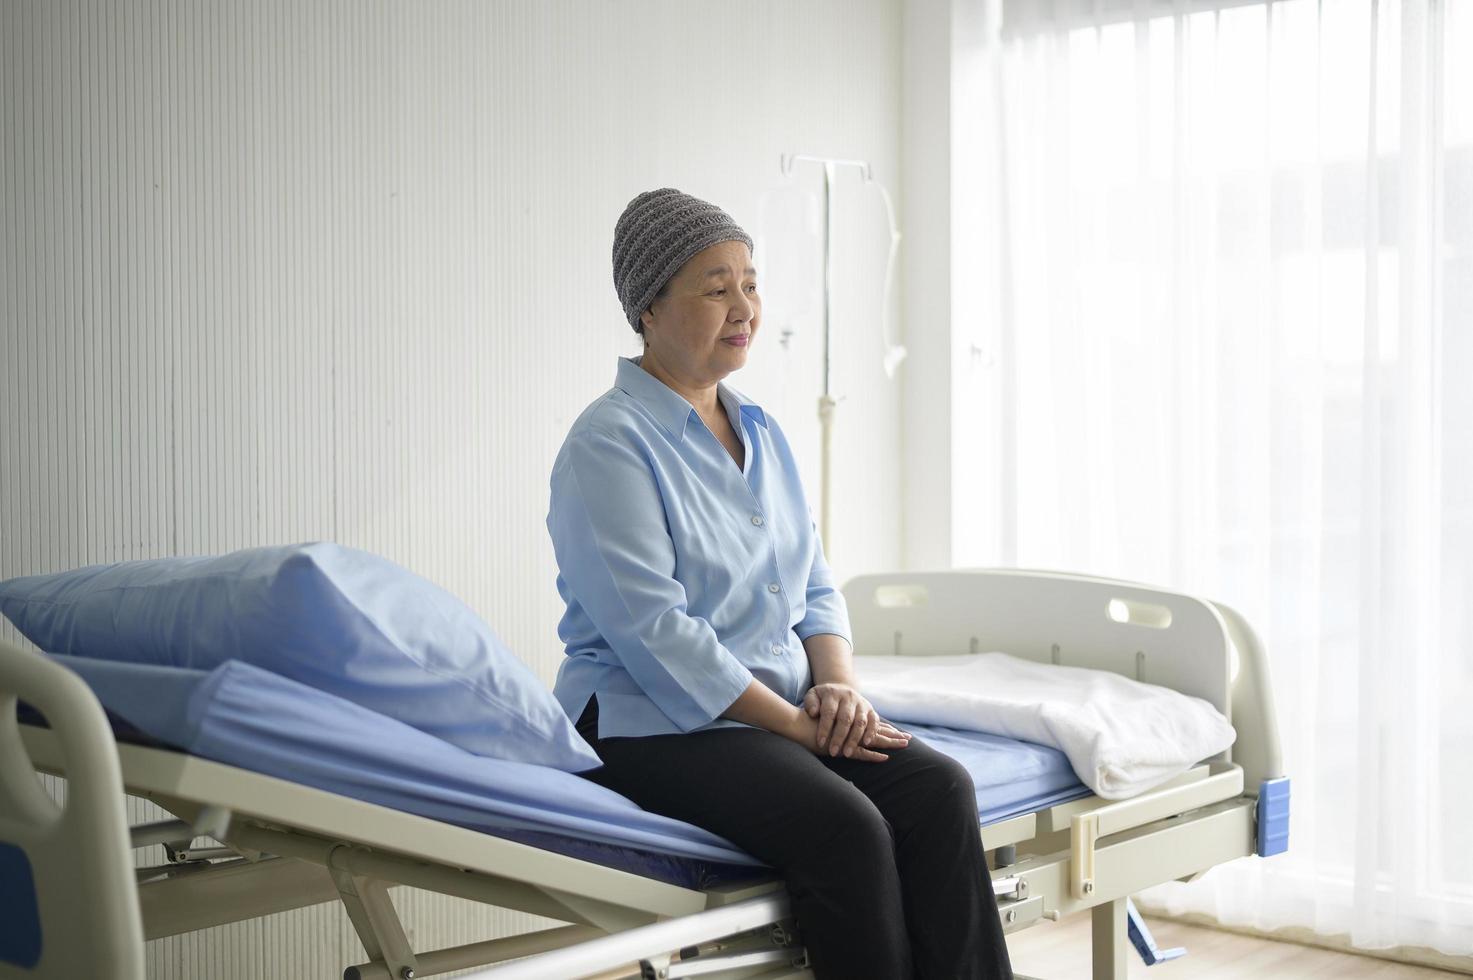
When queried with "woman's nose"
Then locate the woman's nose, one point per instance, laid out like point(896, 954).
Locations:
point(743, 308)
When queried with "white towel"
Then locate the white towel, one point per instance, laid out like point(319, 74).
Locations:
point(1121, 736)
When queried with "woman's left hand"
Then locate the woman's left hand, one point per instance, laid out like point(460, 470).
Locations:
point(846, 720)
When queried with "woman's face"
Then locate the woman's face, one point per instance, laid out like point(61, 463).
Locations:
point(702, 327)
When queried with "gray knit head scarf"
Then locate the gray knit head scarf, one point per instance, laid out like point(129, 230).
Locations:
point(657, 234)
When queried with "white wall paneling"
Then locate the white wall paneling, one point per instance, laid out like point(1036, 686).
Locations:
point(274, 272)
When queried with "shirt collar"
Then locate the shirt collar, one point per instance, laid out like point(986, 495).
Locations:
point(669, 406)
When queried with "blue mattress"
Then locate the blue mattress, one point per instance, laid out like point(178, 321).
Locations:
point(251, 718)
point(1012, 777)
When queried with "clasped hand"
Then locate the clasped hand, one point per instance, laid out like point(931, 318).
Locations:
point(847, 723)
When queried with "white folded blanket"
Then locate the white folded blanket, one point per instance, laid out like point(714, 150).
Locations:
point(1121, 736)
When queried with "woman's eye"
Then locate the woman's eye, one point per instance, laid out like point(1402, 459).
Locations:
point(752, 286)
point(718, 292)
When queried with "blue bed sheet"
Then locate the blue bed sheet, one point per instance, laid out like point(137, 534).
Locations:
point(245, 716)
point(1012, 777)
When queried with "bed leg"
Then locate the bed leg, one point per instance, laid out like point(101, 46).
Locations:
point(372, 913)
point(1109, 940)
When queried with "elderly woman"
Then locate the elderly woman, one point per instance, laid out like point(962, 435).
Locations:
point(709, 662)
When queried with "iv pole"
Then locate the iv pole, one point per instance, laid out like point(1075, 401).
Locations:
point(896, 353)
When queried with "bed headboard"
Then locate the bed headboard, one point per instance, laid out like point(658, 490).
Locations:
point(1150, 634)
point(1160, 637)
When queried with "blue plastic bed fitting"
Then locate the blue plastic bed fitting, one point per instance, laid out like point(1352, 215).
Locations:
point(1144, 943)
point(1273, 816)
point(20, 927)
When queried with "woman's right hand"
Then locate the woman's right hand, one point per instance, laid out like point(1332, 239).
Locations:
point(804, 730)
point(760, 707)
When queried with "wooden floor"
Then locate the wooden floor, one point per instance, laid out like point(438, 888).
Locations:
point(1060, 951)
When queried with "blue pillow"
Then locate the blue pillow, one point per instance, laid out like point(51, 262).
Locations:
point(334, 618)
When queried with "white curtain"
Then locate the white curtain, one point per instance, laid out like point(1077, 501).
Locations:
point(1235, 281)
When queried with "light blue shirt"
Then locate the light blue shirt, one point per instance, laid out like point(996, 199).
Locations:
point(685, 577)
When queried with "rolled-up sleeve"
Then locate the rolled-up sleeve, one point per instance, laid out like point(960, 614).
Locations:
point(616, 555)
point(826, 610)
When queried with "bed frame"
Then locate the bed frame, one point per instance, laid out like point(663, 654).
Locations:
point(279, 845)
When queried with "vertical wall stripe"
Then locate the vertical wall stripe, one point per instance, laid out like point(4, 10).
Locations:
point(276, 272)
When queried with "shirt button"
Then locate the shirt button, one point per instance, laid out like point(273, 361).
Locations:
point(777, 650)
point(773, 587)
point(757, 519)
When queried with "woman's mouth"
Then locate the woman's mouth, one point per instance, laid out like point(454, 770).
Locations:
point(736, 340)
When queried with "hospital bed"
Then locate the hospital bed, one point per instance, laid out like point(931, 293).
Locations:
point(278, 845)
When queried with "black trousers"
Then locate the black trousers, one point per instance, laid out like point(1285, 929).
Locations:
point(883, 860)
